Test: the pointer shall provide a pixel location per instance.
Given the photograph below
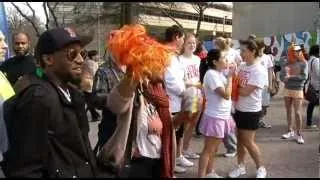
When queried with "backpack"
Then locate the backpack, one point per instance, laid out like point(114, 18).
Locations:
point(275, 85)
point(310, 94)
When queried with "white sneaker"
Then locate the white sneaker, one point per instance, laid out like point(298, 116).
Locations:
point(230, 154)
point(179, 169)
point(299, 140)
point(261, 172)
point(288, 135)
point(213, 175)
point(240, 170)
point(190, 155)
point(182, 161)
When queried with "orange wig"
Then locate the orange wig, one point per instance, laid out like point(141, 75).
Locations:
point(291, 57)
point(132, 47)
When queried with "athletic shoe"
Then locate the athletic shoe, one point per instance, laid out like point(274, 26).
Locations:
point(240, 170)
point(179, 169)
point(190, 155)
point(288, 135)
point(213, 175)
point(299, 140)
point(262, 124)
point(182, 161)
point(233, 154)
point(261, 172)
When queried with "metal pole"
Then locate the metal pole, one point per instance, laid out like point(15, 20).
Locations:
point(224, 22)
point(99, 31)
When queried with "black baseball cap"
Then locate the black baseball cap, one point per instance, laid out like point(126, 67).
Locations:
point(55, 39)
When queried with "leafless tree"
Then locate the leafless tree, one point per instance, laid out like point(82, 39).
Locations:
point(34, 20)
point(31, 19)
point(200, 7)
point(17, 23)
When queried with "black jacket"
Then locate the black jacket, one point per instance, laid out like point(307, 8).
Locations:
point(51, 134)
point(17, 66)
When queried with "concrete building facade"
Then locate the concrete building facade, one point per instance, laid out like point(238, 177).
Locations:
point(215, 22)
point(272, 18)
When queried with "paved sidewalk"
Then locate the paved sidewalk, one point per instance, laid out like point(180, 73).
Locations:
point(282, 158)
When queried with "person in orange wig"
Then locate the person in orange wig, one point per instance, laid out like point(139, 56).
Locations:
point(293, 75)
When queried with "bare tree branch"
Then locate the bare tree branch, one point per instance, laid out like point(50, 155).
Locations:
point(51, 9)
point(32, 10)
point(200, 7)
point(44, 5)
point(55, 5)
point(27, 18)
point(166, 11)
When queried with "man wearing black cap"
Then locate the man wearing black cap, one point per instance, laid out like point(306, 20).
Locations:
point(50, 127)
point(22, 63)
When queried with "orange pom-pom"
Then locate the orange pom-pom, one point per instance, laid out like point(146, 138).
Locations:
point(131, 46)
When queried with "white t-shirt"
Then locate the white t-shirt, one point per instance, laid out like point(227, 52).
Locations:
point(191, 76)
point(255, 75)
point(149, 145)
point(174, 84)
point(216, 106)
point(191, 68)
point(267, 63)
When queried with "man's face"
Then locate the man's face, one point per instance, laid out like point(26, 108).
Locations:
point(21, 44)
point(3, 47)
point(180, 42)
point(67, 63)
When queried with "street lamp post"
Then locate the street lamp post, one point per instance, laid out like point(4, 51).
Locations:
point(224, 22)
point(99, 31)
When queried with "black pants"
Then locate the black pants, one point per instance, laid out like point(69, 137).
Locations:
point(198, 124)
point(90, 107)
point(106, 128)
point(144, 167)
point(310, 109)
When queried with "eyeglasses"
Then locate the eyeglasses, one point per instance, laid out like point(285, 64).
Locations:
point(73, 53)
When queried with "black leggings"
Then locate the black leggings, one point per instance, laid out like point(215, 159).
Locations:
point(310, 109)
point(144, 167)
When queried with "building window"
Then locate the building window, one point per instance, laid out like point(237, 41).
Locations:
point(186, 15)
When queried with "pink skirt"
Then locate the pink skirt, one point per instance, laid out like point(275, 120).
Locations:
point(216, 127)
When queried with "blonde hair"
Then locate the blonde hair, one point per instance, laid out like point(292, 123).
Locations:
point(221, 43)
point(229, 42)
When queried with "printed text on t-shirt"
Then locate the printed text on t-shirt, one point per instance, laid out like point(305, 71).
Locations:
point(243, 78)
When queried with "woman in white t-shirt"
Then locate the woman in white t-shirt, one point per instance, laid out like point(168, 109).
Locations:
point(251, 77)
point(216, 122)
point(192, 96)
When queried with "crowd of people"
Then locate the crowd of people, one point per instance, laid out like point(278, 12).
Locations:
point(146, 125)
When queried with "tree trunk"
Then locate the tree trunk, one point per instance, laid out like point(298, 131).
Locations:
point(128, 13)
point(199, 21)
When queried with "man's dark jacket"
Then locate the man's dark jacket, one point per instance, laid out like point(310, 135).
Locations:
point(18, 66)
point(50, 135)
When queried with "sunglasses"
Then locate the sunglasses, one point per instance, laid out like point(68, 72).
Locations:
point(73, 53)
